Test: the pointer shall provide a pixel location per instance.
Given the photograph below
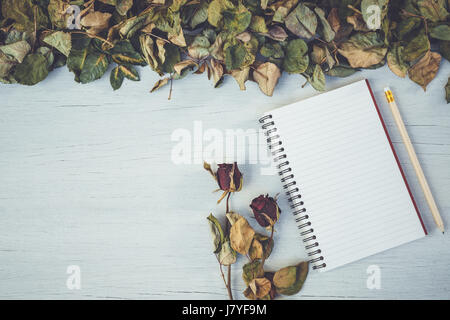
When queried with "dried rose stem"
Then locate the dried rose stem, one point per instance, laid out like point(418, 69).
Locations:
point(228, 207)
point(158, 37)
point(354, 9)
point(230, 293)
point(171, 85)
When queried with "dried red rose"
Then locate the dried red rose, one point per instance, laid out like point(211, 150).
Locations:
point(266, 210)
point(229, 177)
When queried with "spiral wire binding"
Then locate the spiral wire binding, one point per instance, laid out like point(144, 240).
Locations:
point(292, 192)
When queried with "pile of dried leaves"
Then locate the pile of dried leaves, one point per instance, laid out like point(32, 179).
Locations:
point(245, 39)
point(239, 237)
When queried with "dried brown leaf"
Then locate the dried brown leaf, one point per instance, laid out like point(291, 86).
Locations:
point(241, 76)
point(241, 235)
point(260, 287)
point(160, 83)
point(96, 21)
point(424, 71)
point(267, 75)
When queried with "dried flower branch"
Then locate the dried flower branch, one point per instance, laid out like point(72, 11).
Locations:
point(240, 237)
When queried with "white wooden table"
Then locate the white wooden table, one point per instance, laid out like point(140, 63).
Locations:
point(86, 179)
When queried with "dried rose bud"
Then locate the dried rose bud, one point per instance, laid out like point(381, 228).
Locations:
point(229, 177)
point(266, 210)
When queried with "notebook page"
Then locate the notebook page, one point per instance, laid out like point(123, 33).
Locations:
point(355, 196)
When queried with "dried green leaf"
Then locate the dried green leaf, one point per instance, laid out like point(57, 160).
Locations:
point(235, 56)
point(434, 10)
point(316, 77)
point(297, 59)
point(17, 50)
point(128, 28)
point(341, 71)
point(407, 27)
point(289, 280)
point(237, 20)
point(32, 70)
point(226, 255)
point(6, 64)
point(215, 11)
point(48, 54)
point(240, 54)
point(252, 270)
point(94, 67)
point(395, 61)
point(363, 50)
point(172, 57)
point(416, 47)
point(282, 9)
point(441, 32)
point(302, 22)
point(325, 29)
point(199, 49)
point(61, 41)
point(116, 78)
point(200, 15)
point(258, 24)
point(216, 233)
point(16, 35)
point(124, 53)
point(24, 14)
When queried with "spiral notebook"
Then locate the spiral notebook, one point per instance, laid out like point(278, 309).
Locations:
point(348, 193)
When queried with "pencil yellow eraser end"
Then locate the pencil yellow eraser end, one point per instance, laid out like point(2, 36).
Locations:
point(389, 95)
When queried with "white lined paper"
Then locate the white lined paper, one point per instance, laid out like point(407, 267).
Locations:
point(356, 199)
